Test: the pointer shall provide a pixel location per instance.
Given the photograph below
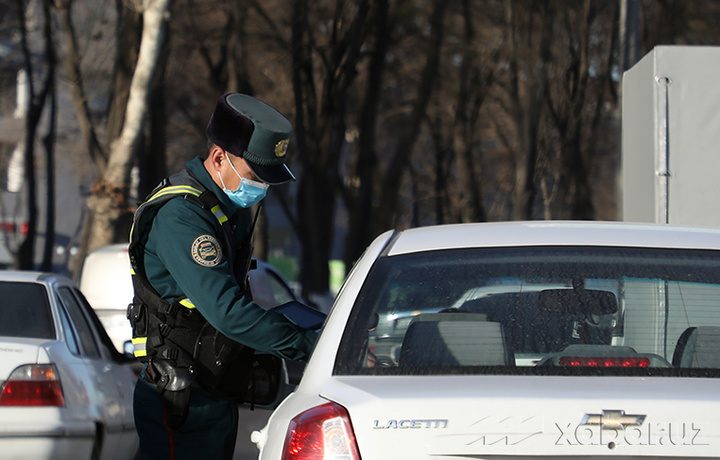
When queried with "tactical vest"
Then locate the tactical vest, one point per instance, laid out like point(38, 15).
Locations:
point(181, 347)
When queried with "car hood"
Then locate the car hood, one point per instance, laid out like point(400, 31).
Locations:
point(15, 352)
point(452, 417)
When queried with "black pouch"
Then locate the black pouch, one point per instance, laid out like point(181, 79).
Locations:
point(137, 315)
point(226, 367)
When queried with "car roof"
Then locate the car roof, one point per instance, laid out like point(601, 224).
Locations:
point(111, 248)
point(552, 233)
point(30, 276)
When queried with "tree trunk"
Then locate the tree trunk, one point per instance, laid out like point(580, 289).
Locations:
point(315, 207)
point(128, 35)
point(128, 38)
point(392, 181)
point(49, 144)
point(320, 134)
point(528, 88)
point(97, 153)
point(472, 91)
point(360, 195)
point(571, 114)
point(108, 203)
point(25, 257)
point(49, 147)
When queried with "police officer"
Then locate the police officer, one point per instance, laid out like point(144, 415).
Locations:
point(194, 323)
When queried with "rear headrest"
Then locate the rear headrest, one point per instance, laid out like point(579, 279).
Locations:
point(455, 339)
point(698, 347)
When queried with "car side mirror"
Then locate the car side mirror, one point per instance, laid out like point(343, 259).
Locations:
point(129, 349)
point(270, 381)
point(267, 375)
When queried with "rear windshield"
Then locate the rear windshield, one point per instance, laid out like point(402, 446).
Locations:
point(538, 310)
point(24, 311)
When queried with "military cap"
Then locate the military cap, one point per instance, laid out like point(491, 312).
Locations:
point(253, 130)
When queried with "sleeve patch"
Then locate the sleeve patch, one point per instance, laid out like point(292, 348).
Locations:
point(206, 251)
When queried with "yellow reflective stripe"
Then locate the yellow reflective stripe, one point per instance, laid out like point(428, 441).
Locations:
point(219, 215)
point(175, 189)
point(139, 346)
point(169, 190)
point(187, 303)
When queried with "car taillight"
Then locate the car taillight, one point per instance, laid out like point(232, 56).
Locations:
point(321, 433)
point(33, 385)
point(11, 227)
point(581, 361)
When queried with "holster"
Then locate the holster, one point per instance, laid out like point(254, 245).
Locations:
point(173, 384)
point(177, 407)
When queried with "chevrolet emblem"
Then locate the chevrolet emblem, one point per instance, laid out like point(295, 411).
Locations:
point(613, 419)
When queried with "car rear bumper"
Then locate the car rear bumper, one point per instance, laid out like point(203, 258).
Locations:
point(41, 448)
point(47, 441)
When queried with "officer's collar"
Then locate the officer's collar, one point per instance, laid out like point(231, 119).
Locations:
point(197, 167)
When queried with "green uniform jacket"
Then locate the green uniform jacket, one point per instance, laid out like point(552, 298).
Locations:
point(184, 256)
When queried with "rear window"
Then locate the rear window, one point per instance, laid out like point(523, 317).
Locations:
point(25, 311)
point(538, 310)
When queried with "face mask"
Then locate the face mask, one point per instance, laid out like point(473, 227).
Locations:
point(249, 192)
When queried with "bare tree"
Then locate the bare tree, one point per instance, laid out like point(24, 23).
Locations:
point(409, 112)
point(359, 185)
point(321, 105)
point(109, 212)
point(98, 154)
point(48, 143)
point(128, 31)
point(109, 201)
point(529, 29)
point(387, 208)
point(37, 99)
point(575, 100)
point(467, 85)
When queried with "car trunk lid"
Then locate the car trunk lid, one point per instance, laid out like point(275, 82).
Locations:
point(15, 352)
point(416, 417)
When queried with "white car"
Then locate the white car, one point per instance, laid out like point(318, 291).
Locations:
point(572, 339)
point(66, 392)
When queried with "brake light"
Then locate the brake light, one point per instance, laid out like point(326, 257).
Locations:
point(33, 385)
point(580, 361)
point(321, 433)
point(11, 227)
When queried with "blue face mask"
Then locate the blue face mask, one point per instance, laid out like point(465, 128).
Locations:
point(249, 192)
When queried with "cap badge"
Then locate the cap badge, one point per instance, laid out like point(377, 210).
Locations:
point(281, 148)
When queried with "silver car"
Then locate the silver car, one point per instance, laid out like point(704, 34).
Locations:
point(66, 392)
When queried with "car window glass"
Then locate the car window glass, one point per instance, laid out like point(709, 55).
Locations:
point(104, 339)
point(70, 337)
point(281, 293)
point(549, 310)
point(25, 311)
point(84, 330)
